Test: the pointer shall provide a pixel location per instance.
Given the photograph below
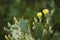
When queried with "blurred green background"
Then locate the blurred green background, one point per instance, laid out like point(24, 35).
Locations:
point(26, 9)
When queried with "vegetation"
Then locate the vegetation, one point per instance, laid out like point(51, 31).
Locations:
point(33, 20)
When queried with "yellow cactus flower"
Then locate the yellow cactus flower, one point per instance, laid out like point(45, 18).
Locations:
point(45, 11)
point(39, 14)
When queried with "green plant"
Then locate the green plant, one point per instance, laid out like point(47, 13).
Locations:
point(21, 30)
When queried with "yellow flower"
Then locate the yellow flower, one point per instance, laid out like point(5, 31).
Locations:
point(39, 14)
point(45, 11)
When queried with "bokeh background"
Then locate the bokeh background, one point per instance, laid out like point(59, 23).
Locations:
point(26, 9)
